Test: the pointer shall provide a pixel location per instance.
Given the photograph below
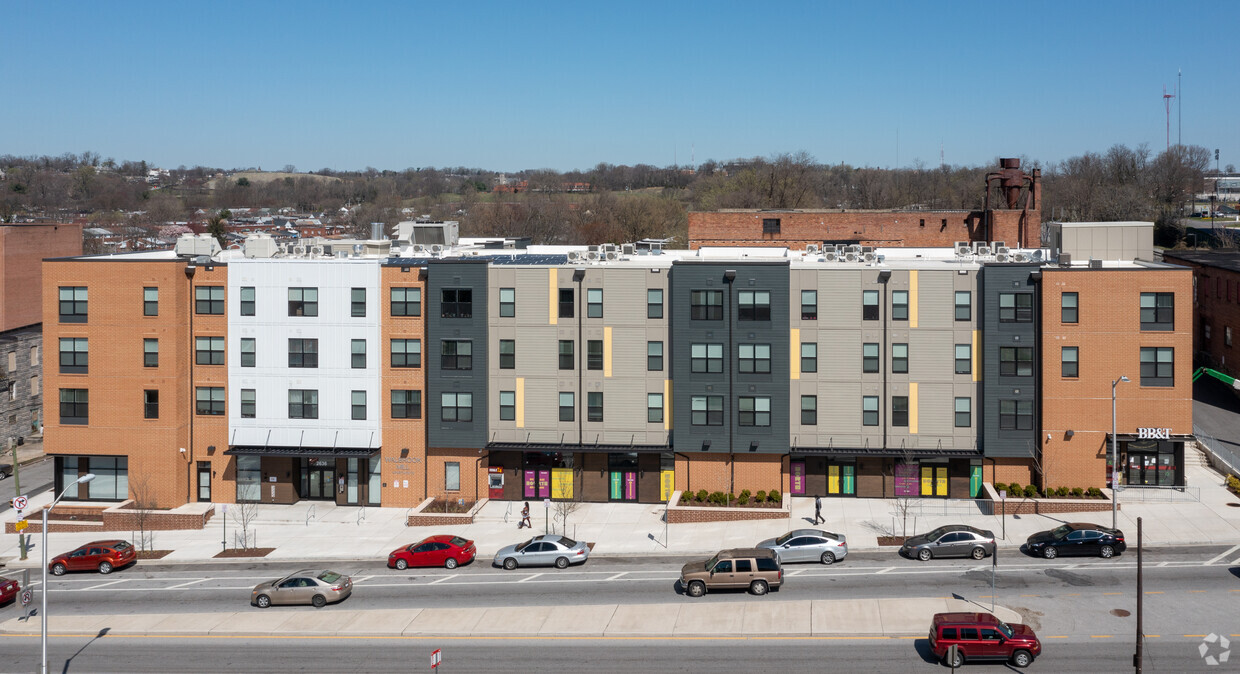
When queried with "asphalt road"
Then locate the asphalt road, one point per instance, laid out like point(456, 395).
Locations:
point(35, 478)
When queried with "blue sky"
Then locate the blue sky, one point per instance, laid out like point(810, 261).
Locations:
point(509, 86)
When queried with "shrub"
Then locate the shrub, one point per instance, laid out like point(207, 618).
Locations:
point(701, 496)
point(773, 496)
point(1094, 492)
point(759, 497)
point(1031, 491)
point(743, 499)
point(717, 498)
point(729, 498)
point(1077, 492)
point(1015, 490)
point(1233, 483)
point(1061, 492)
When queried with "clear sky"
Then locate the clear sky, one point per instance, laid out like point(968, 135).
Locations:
point(516, 85)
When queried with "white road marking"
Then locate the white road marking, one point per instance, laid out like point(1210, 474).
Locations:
point(96, 587)
point(358, 580)
point(884, 570)
point(436, 581)
point(1164, 563)
point(617, 576)
point(189, 583)
point(531, 577)
point(1224, 555)
point(796, 572)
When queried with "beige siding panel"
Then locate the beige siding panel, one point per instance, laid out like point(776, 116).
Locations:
point(839, 298)
point(931, 355)
point(839, 355)
point(839, 408)
point(794, 354)
point(936, 299)
point(935, 411)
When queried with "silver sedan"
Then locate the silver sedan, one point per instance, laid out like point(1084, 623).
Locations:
point(550, 550)
point(808, 545)
point(317, 588)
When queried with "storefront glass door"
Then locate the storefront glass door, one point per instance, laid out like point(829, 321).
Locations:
point(622, 483)
point(934, 480)
point(318, 479)
point(841, 479)
point(797, 478)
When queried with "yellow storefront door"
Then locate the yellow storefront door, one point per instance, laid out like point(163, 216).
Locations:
point(927, 481)
point(833, 479)
point(940, 481)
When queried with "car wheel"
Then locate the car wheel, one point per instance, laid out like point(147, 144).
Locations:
point(1021, 658)
point(758, 587)
point(925, 555)
point(979, 553)
point(58, 569)
point(696, 589)
point(958, 663)
point(561, 562)
point(319, 601)
point(105, 567)
point(1107, 551)
point(449, 563)
point(1050, 552)
point(510, 563)
point(263, 601)
point(402, 564)
point(827, 558)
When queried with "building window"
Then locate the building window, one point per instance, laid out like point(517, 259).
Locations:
point(406, 301)
point(406, 404)
point(594, 354)
point(706, 410)
point(755, 358)
point(507, 354)
point(1016, 361)
point(248, 348)
point(452, 476)
point(247, 301)
point(303, 404)
point(770, 225)
point(706, 358)
point(209, 400)
point(869, 357)
point(249, 403)
point(899, 358)
point(809, 356)
point(964, 305)
point(1157, 366)
point(899, 305)
point(654, 356)
point(74, 356)
point(249, 479)
point(303, 353)
point(358, 353)
point(899, 411)
point(1158, 311)
point(1069, 362)
point(754, 411)
point(150, 404)
point(594, 302)
point(869, 305)
point(150, 352)
point(809, 305)
point(357, 302)
point(654, 408)
point(869, 410)
point(654, 303)
point(507, 405)
point(566, 354)
point(507, 302)
point(74, 406)
point(1227, 335)
point(150, 301)
point(208, 350)
point(34, 355)
point(1015, 307)
point(1015, 415)
point(456, 354)
point(809, 410)
point(209, 300)
point(1205, 331)
point(73, 304)
point(406, 353)
point(456, 407)
point(964, 412)
point(566, 303)
point(754, 305)
point(1069, 311)
point(303, 301)
point(706, 305)
point(594, 406)
point(34, 392)
point(456, 303)
point(567, 406)
point(359, 405)
point(964, 359)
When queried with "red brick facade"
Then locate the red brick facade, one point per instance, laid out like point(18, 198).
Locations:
point(1216, 303)
point(22, 250)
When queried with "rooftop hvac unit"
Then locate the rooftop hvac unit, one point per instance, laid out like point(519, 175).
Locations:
point(811, 249)
point(611, 255)
point(850, 256)
point(983, 249)
point(656, 248)
point(964, 247)
point(593, 249)
point(830, 256)
point(996, 245)
point(341, 254)
point(1001, 249)
point(1001, 257)
point(574, 255)
point(417, 249)
point(628, 249)
point(299, 250)
point(316, 250)
point(436, 249)
point(1095, 264)
point(609, 248)
point(868, 257)
point(853, 248)
point(1020, 257)
point(1065, 260)
point(867, 249)
point(592, 255)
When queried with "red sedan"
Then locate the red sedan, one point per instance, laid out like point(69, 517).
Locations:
point(445, 551)
point(8, 590)
point(102, 555)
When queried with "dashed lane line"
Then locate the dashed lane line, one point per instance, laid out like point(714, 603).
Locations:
point(530, 577)
point(617, 576)
point(96, 587)
point(433, 582)
point(1224, 555)
point(192, 582)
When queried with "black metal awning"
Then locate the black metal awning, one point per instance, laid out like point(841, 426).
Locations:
point(888, 451)
point(567, 447)
point(303, 452)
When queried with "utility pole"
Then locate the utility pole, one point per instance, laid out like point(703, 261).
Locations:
point(1136, 658)
point(23, 539)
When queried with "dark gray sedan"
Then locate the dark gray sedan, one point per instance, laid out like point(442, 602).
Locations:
point(549, 550)
point(953, 540)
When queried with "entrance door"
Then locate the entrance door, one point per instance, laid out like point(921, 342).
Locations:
point(1142, 468)
point(536, 483)
point(797, 477)
point(622, 485)
point(833, 479)
point(319, 483)
point(204, 481)
point(934, 480)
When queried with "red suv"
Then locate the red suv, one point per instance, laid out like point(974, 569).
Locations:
point(102, 555)
point(981, 636)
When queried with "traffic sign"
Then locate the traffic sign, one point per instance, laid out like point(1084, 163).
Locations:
point(20, 503)
point(436, 658)
point(27, 597)
point(21, 524)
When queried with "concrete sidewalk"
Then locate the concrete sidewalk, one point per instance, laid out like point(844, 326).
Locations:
point(843, 617)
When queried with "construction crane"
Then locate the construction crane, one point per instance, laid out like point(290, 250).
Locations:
point(1226, 379)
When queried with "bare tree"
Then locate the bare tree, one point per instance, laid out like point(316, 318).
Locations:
point(561, 511)
point(143, 505)
point(244, 515)
point(903, 505)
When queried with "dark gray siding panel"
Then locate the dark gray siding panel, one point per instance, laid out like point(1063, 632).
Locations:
point(995, 279)
point(456, 274)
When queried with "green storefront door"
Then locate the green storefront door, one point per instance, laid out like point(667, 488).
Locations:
point(975, 481)
point(849, 479)
point(617, 485)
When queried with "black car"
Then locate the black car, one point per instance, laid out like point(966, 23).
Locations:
point(1078, 538)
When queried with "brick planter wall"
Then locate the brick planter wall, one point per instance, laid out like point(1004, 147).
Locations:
point(417, 518)
point(678, 514)
point(1047, 506)
point(120, 517)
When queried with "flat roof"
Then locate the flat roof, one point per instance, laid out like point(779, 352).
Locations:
point(1116, 223)
point(1227, 260)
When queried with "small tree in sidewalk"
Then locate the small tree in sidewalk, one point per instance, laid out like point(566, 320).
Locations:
point(244, 515)
point(143, 505)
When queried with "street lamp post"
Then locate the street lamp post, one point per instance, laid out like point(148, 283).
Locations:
point(43, 588)
point(1114, 455)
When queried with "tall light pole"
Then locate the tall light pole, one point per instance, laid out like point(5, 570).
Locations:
point(1114, 456)
point(43, 588)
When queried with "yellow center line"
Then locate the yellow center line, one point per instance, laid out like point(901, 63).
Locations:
point(1111, 593)
point(1152, 636)
point(1192, 591)
point(1159, 592)
point(1030, 595)
point(1057, 637)
point(1194, 636)
point(1100, 636)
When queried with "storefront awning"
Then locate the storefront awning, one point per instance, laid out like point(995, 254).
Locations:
point(888, 451)
point(306, 452)
point(555, 447)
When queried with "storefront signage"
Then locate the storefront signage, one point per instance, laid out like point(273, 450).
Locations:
point(798, 477)
point(1154, 433)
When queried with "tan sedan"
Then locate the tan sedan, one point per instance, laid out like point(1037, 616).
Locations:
point(317, 588)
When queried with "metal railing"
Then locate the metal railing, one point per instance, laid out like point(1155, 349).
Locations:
point(1157, 494)
point(1220, 456)
point(310, 514)
point(361, 515)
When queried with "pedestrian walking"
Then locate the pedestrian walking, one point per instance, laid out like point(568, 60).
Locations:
point(818, 519)
point(525, 517)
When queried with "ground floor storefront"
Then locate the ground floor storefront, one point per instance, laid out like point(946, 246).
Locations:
point(1148, 463)
point(842, 476)
point(292, 476)
point(580, 474)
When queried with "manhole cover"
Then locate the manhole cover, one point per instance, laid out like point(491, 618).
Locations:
point(1120, 613)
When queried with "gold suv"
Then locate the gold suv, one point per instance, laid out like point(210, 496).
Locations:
point(756, 569)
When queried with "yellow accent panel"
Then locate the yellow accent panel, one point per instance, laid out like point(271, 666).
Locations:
point(520, 402)
point(977, 354)
point(553, 297)
point(667, 404)
point(606, 352)
point(795, 361)
point(912, 408)
point(562, 483)
point(912, 298)
point(667, 484)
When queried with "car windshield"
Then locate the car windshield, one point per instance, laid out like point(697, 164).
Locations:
point(567, 542)
point(710, 563)
point(329, 577)
point(785, 538)
point(1007, 630)
point(459, 542)
point(1061, 531)
point(122, 545)
point(522, 546)
point(937, 533)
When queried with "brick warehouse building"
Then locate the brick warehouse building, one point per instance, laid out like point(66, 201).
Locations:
point(1216, 306)
point(382, 373)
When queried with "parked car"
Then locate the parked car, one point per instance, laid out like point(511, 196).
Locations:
point(445, 551)
point(6, 469)
point(8, 590)
point(952, 540)
point(1078, 538)
point(543, 551)
point(981, 636)
point(317, 588)
point(808, 545)
point(757, 569)
point(102, 555)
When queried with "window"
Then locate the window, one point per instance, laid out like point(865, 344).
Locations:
point(150, 404)
point(899, 305)
point(73, 304)
point(456, 303)
point(899, 358)
point(755, 305)
point(208, 350)
point(594, 406)
point(456, 354)
point(567, 406)
point(594, 302)
point(654, 303)
point(34, 391)
point(406, 353)
point(706, 410)
point(1015, 307)
point(964, 305)
point(456, 407)
point(357, 302)
point(594, 354)
point(754, 411)
point(209, 300)
point(303, 353)
point(770, 225)
point(74, 355)
point(809, 305)
point(869, 305)
point(249, 404)
point(303, 404)
point(150, 301)
point(566, 303)
point(869, 410)
point(1157, 311)
point(150, 353)
point(964, 412)
point(452, 475)
point(755, 358)
point(654, 356)
point(359, 405)
point(1157, 366)
point(1015, 415)
point(706, 358)
point(74, 406)
point(406, 301)
point(809, 410)
point(303, 301)
point(507, 354)
point(706, 305)
point(247, 301)
point(964, 359)
point(248, 347)
point(507, 405)
point(654, 408)
point(406, 404)
point(34, 356)
point(869, 357)
point(249, 478)
point(507, 302)
point(566, 354)
point(1068, 308)
point(899, 411)
point(1069, 362)
point(1016, 361)
point(1227, 335)
point(358, 353)
point(209, 400)
point(809, 356)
